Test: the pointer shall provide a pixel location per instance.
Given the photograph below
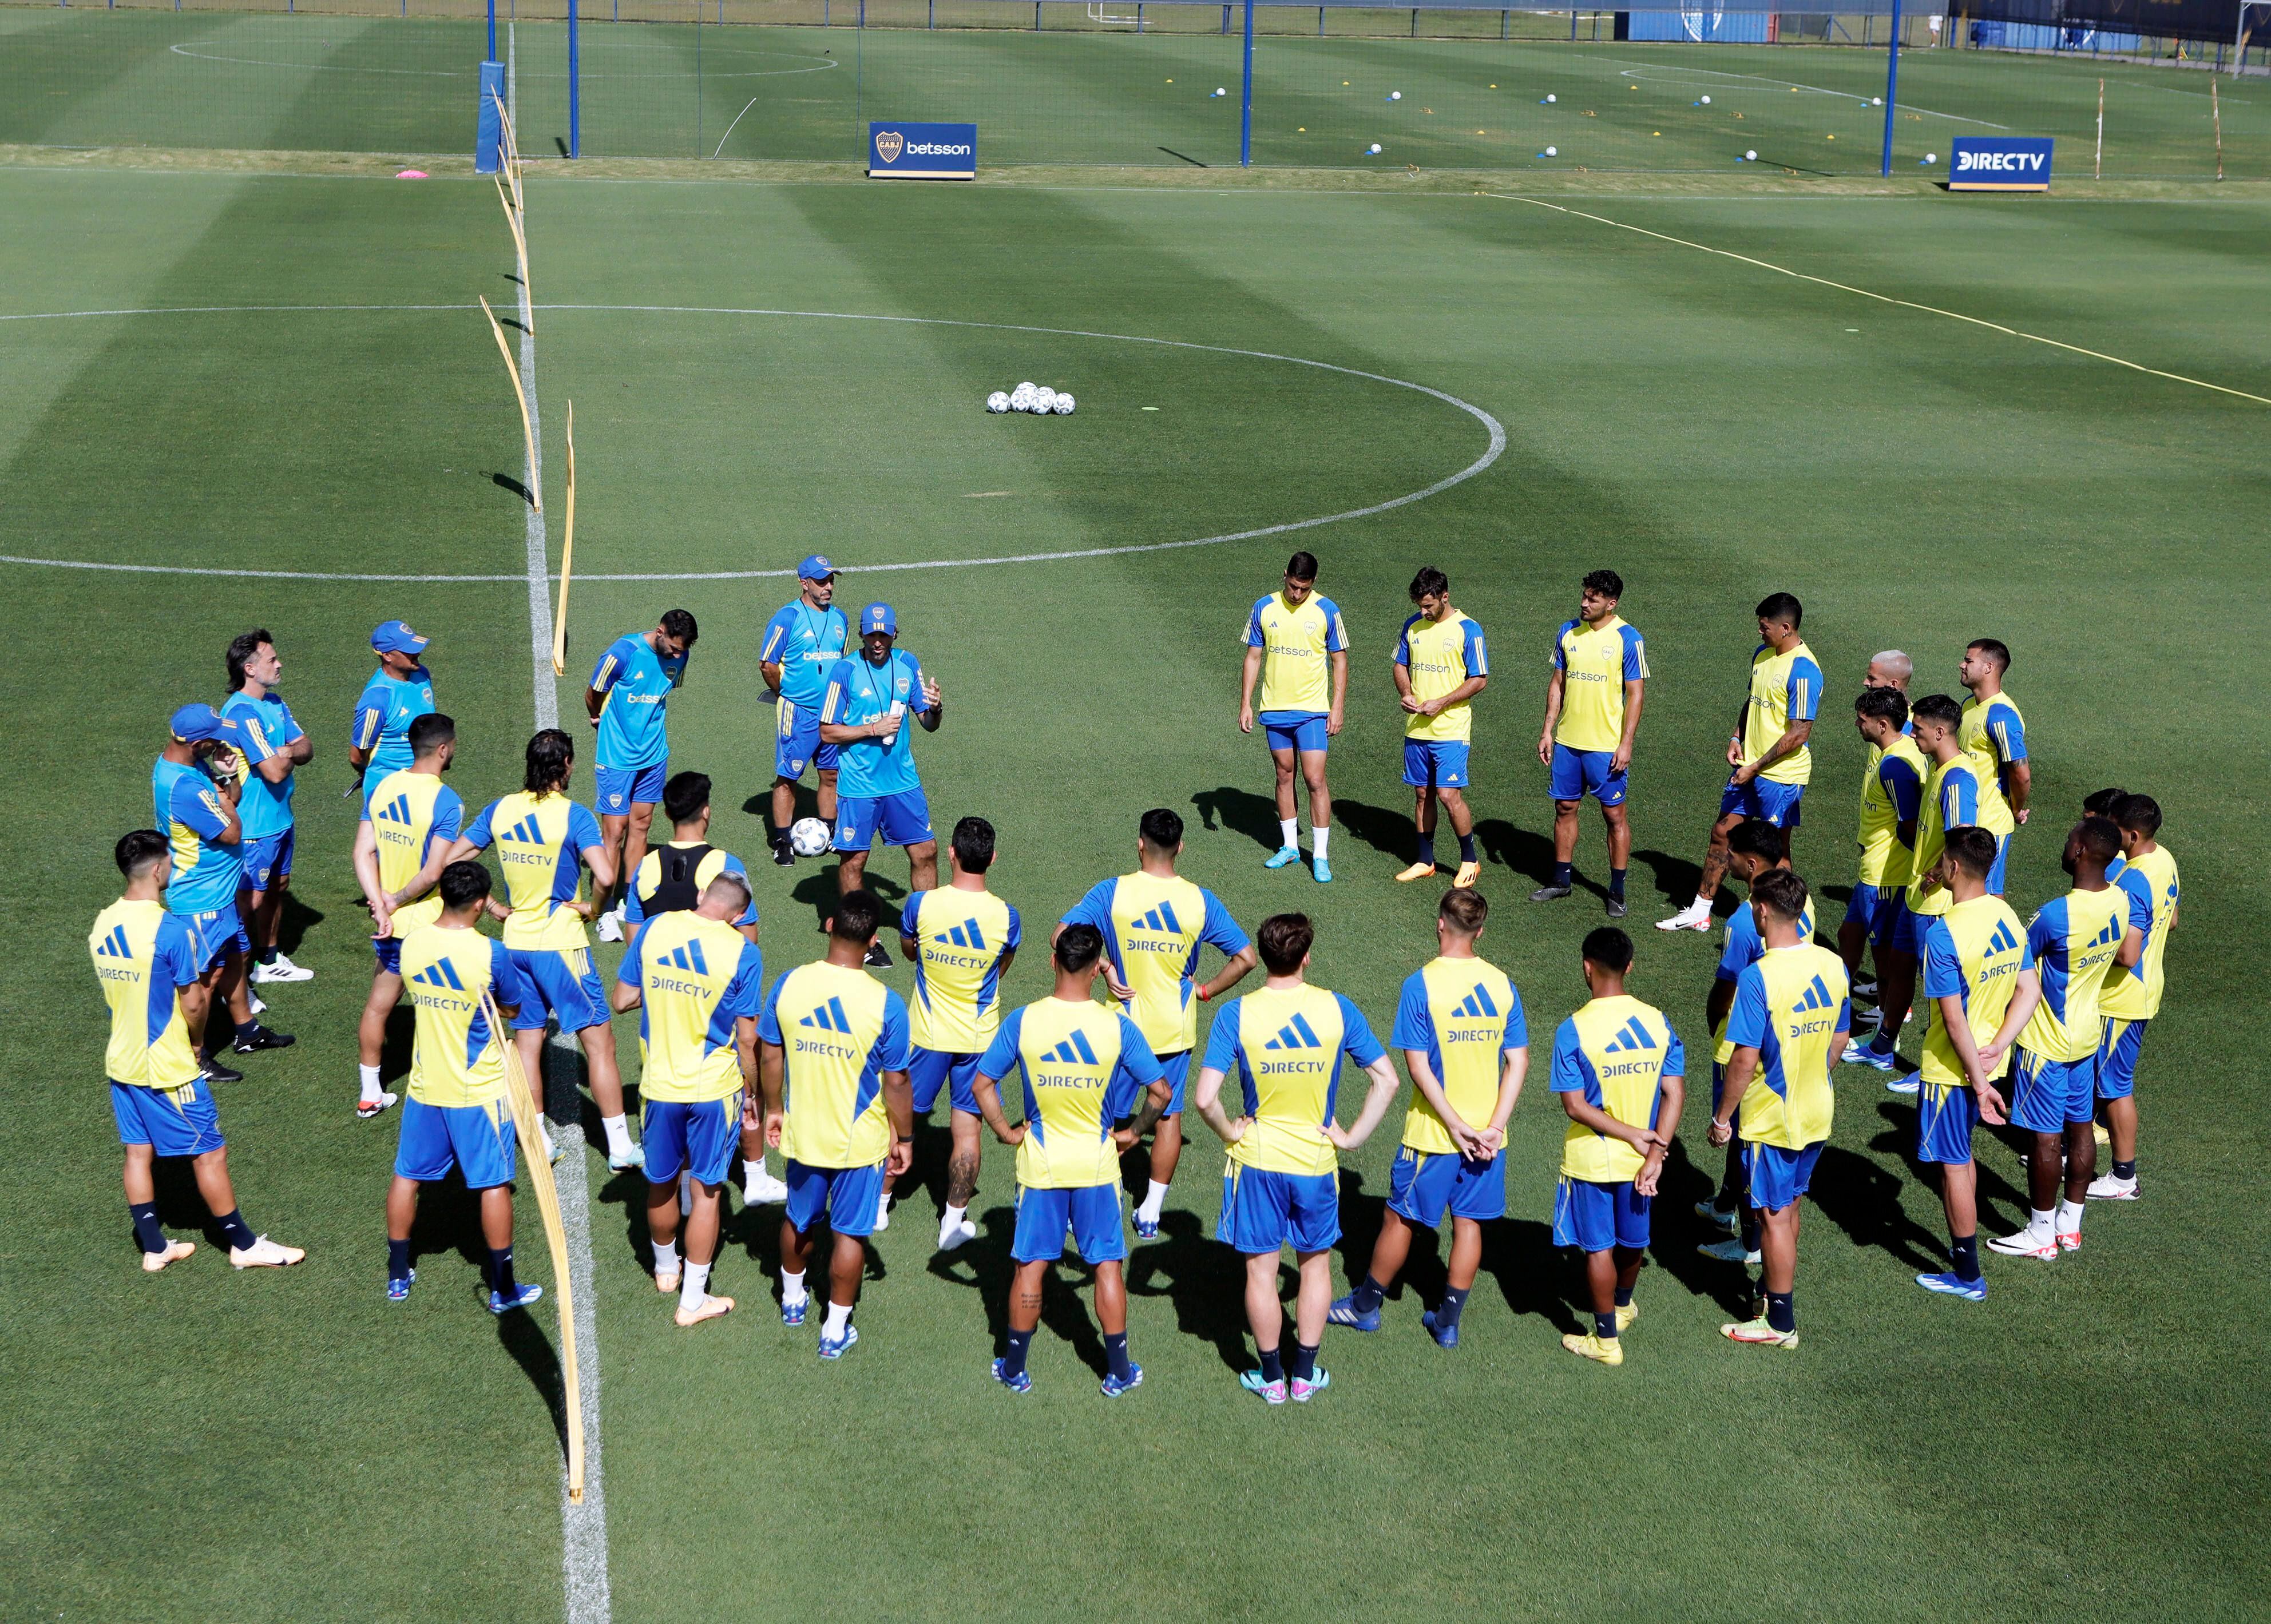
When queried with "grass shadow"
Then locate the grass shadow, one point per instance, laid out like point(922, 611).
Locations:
point(1204, 1280)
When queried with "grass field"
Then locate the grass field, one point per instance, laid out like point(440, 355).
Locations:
point(289, 1445)
point(1072, 94)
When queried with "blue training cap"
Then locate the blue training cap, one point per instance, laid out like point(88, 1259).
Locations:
point(878, 617)
point(194, 724)
point(396, 637)
point(815, 568)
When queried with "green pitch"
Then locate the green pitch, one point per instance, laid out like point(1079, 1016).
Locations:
point(288, 1445)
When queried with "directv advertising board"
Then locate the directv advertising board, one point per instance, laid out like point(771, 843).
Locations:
point(923, 151)
point(2000, 164)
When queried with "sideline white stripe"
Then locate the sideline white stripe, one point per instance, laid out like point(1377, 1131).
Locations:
point(539, 562)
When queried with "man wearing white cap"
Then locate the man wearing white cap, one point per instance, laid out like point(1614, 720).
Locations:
point(863, 711)
point(803, 642)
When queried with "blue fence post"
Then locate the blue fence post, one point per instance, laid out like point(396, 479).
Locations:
point(1892, 86)
point(488, 129)
point(1246, 97)
point(492, 56)
point(575, 85)
point(931, 21)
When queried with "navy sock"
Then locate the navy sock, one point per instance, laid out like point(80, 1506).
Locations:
point(1750, 1227)
point(1273, 1364)
point(1564, 872)
point(1368, 1294)
point(144, 1213)
point(1887, 1038)
point(397, 1260)
point(1013, 1357)
point(266, 955)
point(1617, 882)
point(1115, 1356)
point(1454, 1302)
point(1964, 1256)
point(1303, 1367)
point(1466, 849)
point(1624, 1296)
point(1782, 1313)
point(239, 1233)
point(1605, 1326)
point(501, 1280)
point(2125, 1169)
point(1426, 846)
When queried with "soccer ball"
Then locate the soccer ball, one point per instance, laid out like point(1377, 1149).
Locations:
point(1375, 146)
point(997, 402)
point(808, 837)
point(1044, 399)
point(1062, 406)
point(1705, 102)
point(1396, 95)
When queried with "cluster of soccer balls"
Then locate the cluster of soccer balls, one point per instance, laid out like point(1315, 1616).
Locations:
point(1040, 400)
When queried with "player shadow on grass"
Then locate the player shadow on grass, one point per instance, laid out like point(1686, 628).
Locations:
point(1674, 1234)
point(1204, 1279)
point(818, 892)
point(1863, 1200)
point(985, 1266)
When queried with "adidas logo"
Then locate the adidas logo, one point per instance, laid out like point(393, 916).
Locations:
point(967, 935)
point(2002, 941)
point(441, 973)
point(1633, 1035)
point(396, 810)
point(1161, 918)
point(525, 831)
point(1817, 997)
point(828, 1017)
point(1074, 1050)
point(1477, 1002)
point(2112, 932)
point(689, 957)
point(113, 946)
point(1296, 1034)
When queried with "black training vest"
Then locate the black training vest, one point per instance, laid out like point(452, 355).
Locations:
point(676, 891)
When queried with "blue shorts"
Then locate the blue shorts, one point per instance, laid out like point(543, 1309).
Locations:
point(1091, 1213)
point(1423, 1185)
point(702, 1137)
point(1762, 797)
point(1436, 764)
point(796, 741)
point(1910, 931)
point(566, 987)
point(1295, 729)
point(1177, 1069)
point(1263, 1210)
point(847, 1197)
point(2117, 1058)
point(212, 934)
point(267, 860)
point(1946, 1114)
point(622, 787)
point(1868, 905)
point(1577, 773)
point(904, 820)
point(172, 1122)
point(2047, 1094)
point(389, 949)
point(1777, 1176)
point(476, 1139)
point(1995, 870)
point(1595, 1217)
point(929, 1070)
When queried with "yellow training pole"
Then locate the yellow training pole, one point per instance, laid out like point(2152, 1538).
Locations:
point(567, 557)
point(527, 430)
point(2215, 110)
point(520, 247)
point(2097, 163)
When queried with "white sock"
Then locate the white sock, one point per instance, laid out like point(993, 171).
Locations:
point(666, 1257)
point(370, 1088)
point(753, 1169)
point(883, 1203)
point(1155, 1196)
point(839, 1317)
point(2038, 1223)
point(2069, 1217)
point(1319, 834)
point(1286, 832)
point(696, 1287)
point(792, 1289)
point(953, 1217)
point(619, 1134)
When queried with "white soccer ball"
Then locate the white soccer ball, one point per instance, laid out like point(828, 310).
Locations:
point(1021, 398)
point(1707, 102)
point(1220, 91)
point(1549, 98)
point(1062, 406)
point(1374, 147)
point(1396, 95)
point(997, 402)
point(1553, 151)
point(1876, 101)
point(1750, 158)
point(808, 837)
point(1932, 158)
point(1045, 400)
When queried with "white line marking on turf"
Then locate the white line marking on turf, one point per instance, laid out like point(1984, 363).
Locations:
point(1491, 454)
point(1685, 76)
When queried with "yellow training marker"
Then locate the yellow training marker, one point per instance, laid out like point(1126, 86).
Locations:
point(527, 430)
point(567, 557)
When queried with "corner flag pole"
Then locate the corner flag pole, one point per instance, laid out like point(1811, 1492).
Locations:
point(528, 1129)
point(567, 557)
point(1892, 88)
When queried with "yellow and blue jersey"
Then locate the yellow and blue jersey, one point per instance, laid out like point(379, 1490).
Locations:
point(143, 956)
point(1285, 1046)
point(2073, 940)
point(1789, 1006)
point(383, 714)
point(839, 1030)
point(636, 908)
point(411, 815)
point(191, 815)
point(961, 937)
point(1950, 801)
point(634, 728)
point(455, 1059)
point(1441, 655)
point(1152, 929)
point(1081, 1068)
point(1785, 688)
point(2134, 993)
point(806, 643)
point(1993, 735)
point(1616, 1052)
point(697, 977)
point(264, 727)
point(1465, 1016)
point(1744, 947)
point(858, 691)
point(1298, 641)
point(1595, 662)
point(1892, 793)
point(1975, 951)
point(540, 841)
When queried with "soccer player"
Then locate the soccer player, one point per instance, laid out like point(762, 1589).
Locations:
point(1792, 1010)
point(863, 709)
point(803, 642)
point(628, 700)
point(544, 841)
point(1753, 849)
point(399, 692)
point(194, 786)
point(272, 743)
point(1887, 668)
point(1084, 1069)
point(1994, 736)
point(1441, 662)
point(457, 1115)
point(961, 940)
point(402, 844)
point(1592, 714)
point(1950, 801)
point(1979, 975)
point(1622, 1075)
point(1153, 922)
point(1768, 750)
point(1464, 1041)
point(1295, 641)
point(1282, 1185)
point(146, 959)
point(834, 1068)
point(2077, 940)
point(1892, 794)
point(698, 984)
point(2132, 996)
